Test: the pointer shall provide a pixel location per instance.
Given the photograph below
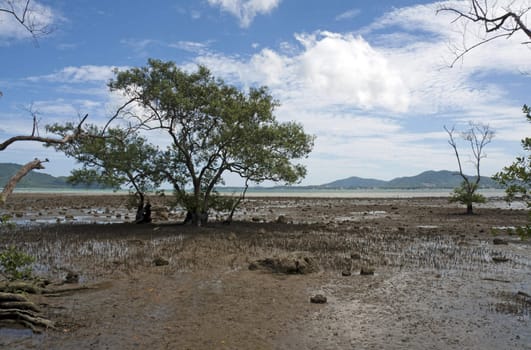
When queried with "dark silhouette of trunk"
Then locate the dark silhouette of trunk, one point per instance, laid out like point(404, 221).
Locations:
point(469, 210)
point(196, 217)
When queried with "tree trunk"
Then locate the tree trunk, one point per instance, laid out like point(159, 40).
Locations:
point(196, 217)
point(469, 210)
point(13, 181)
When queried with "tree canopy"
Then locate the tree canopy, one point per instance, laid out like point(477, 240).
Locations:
point(206, 129)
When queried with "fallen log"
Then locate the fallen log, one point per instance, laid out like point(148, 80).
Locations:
point(26, 318)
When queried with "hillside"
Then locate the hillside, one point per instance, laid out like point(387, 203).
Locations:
point(34, 179)
point(427, 179)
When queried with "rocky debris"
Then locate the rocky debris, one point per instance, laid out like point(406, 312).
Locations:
point(346, 273)
point(295, 264)
point(499, 241)
point(71, 277)
point(158, 261)
point(367, 271)
point(318, 299)
point(161, 213)
point(282, 219)
point(355, 256)
point(500, 259)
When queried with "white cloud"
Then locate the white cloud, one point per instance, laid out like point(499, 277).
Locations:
point(348, 15)
point(37, 16)
point(82, 74)
point(246, 10)
point(328, 69)
point(190, 46)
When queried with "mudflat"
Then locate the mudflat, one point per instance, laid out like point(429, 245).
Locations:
point(396, 274)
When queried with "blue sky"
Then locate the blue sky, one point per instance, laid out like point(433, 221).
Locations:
point(369, 78)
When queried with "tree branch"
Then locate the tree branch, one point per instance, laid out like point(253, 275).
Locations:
point(13, 181)
point(47, 140)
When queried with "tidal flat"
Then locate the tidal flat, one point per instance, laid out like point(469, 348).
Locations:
point(440, 279)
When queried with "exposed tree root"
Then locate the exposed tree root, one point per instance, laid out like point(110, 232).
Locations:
point(17, 309)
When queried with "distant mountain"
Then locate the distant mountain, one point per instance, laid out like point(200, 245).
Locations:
point(427, 179)
point(355, 182)
point(35, 179)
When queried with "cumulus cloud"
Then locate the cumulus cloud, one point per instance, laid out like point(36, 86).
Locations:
point(327, 70)
point(246, 10)
point(38, 16)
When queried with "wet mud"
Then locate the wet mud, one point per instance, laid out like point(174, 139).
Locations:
point(439, 282)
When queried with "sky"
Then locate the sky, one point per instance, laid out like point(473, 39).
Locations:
point(370, 79)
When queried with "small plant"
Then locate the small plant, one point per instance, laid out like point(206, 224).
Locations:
point(15, 265)
point(5, 221)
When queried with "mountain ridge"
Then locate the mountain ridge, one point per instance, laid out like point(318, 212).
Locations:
point(36, 179)
point(426, 179)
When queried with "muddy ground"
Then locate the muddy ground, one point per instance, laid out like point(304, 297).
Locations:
point(440, 282)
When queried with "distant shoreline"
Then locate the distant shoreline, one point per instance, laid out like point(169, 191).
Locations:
point(291, 192)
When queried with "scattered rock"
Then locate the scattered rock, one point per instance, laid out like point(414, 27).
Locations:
point(294, 264)
point(500, 259)
point(282, 219)
point(318, 299)
point(355, 256)
point(346, 273)
point(367, 271)
point(499, 241)
point(158, 261)
point(232, 237)
point(71, 277)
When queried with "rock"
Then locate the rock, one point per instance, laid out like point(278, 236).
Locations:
point(282, 220)
point(499, 241)
point(355, 256)
point(256, 219)
point(294, 264)
point(71, 277)
point(367, 271)
point(499, 259)
point(158, 261)
point(232, 237)
point(346, 273)
point(318, 299)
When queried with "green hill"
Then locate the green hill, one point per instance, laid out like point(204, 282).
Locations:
point(427, 179)
point(35, 179)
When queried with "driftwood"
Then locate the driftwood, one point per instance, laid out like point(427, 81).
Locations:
point(36, 163)
point(13, 181)
point(17, 309)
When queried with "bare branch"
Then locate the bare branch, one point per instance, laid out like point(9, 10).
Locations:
point(24, 15)
point(47, 140)
point(504, 25)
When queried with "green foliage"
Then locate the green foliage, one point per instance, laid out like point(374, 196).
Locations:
point(466, 194)
point(517, 177)
point(113, 157)
point(212, 129)
point(14, 264)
